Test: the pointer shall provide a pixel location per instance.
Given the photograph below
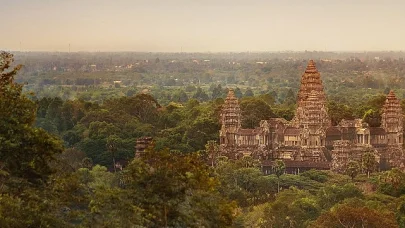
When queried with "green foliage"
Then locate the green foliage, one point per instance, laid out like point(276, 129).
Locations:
point(165, 183)
point(253, 111)
point(392, 183)
point(353, 214)
point(333, 194)
point(25, 151)
point(246, 185)
point(292, 208)
point(352, 169)
point(338, 111)
point(316, 175)
point(212, 149)
point(200, 95)
point(248, 93)
point(368, 162)
point(279, 168)
point(27, 211)
point(372, 117)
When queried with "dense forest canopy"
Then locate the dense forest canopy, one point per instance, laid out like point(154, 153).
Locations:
point(58, 144)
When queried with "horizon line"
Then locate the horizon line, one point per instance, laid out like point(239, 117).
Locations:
point(207, 52)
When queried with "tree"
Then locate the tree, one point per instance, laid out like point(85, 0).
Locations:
point(333, 194)
point(26, 155)
point(212, 149)
point(243, 181)
point(200, 131)
point(200, 95)
point(180, 96)
point(71, 159)
point(355, 215)
point(372, 110)
point(253, 111)
point(25, 151)
point(372, 117)
point(176, 190)
point(353, 168)
point(248, 93)
point(292, 208)
point(217, 92)
point(267, 98)
point(368, 162)
point(338, 111)
point(248, 162)
point(190, 88)
point(113, 143)
point(392, 182)
point(279, 169)
point(290, 98)
point(238, 93)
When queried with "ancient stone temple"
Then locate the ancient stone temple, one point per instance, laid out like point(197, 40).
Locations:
point(230, 119)
point(141, 145)
point(310, 81)
point(310, 140)
point(391, 120)
point(235, 141)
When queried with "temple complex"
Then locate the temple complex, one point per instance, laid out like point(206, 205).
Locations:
point(309, 140)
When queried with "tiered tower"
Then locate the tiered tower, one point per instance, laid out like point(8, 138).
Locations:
point(392, 120)
point(230, 119)
point(141, 145)
point(311, 115)
point(310, 80)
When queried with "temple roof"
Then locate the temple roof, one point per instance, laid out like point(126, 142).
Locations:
point(311, 67)
point(231, 95)
point(311, 80)
point(333, 131)
point(300, 164)
point(273, 121)
point(246, 131)
point(392, 107)
point(292, 131)
point(231, 103)
point(391, 98)
point(391, 95)
point(377, 131)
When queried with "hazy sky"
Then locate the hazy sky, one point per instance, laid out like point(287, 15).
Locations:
point(202, 25)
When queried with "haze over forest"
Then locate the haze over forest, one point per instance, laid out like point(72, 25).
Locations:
point(212, 113)
point(202, 26)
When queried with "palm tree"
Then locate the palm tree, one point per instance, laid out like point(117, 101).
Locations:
point(279, 169)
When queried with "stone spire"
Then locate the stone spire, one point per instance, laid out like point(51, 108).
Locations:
point(312, 112)
point(311, 80)
point(392, 119)
point(311, 100)
point(231, 114)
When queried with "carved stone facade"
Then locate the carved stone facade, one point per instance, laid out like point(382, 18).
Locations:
point(391, 120)
point(310, 140)
point(141, 145)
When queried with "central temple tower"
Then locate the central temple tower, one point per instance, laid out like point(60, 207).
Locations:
point(311, 116)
